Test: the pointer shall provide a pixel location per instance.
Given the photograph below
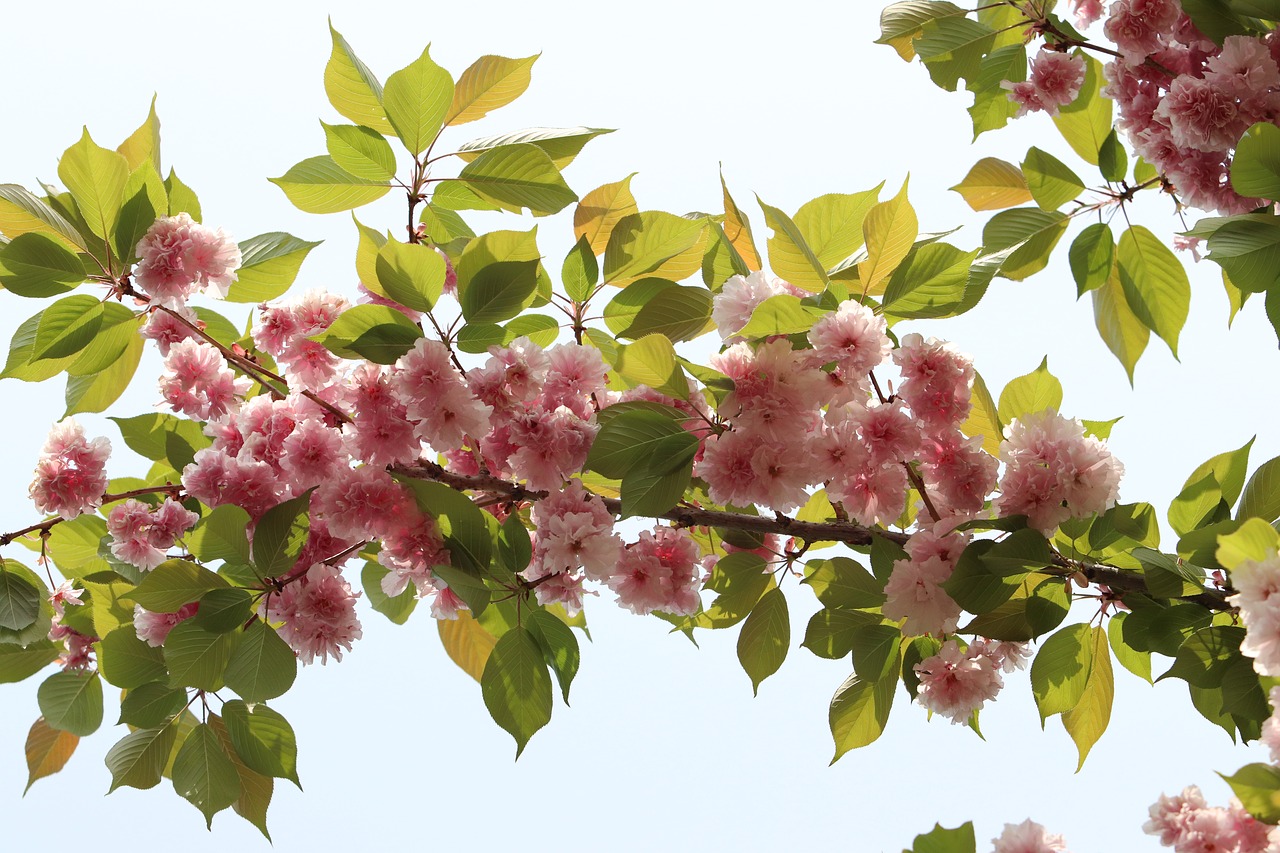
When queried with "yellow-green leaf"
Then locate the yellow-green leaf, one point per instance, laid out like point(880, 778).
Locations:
point(993, 184)
point(1088, 719)
point(890, 229)
point(489, 83)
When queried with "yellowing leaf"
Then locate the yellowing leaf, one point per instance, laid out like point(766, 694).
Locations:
point(599, 211)
point(467, 643)
point(48, 750)
point(890, 229)
point(993, 184)
point(489, 83)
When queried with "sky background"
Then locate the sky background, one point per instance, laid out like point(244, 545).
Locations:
point(663, 746)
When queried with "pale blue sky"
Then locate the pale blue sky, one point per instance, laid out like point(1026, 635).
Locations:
point(664, 746)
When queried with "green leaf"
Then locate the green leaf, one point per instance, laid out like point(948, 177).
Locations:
point(96, 177)
point(1091, 257)
point(1137, 662)
point(515, 550)
point(127, 661)
point(876, 652)
point(280, 536)
point(182, 199)
point(1086, 122)
point(1248, 249)
point(1205, 657)
point(269, 265)
point(47, 750)
point(953, 47)
point(832, 224)
point(992, 107)
point(1029, 233)
point(562, 144)
point(642, 243)
point(933, 281)
point(984, 418)
point(739, 579)
point(1030, 394)
point(656, 306)
point(196, 657)
point(624, 442)
point(790, 255)
point(67, 327)
point(580, 271)
point(900, 23)
point(21, 662)
point(498, 291)
point(255, 788)
point(376, 332)
point(224, 610)
point(417, 99)
point(319, 185)
point(1155, 284)
point(1060, 671)
point(659, 482)
point(204, 775)
point(559, 647)
point(1257, 786)
point(1261, 497)
point(262, 666)
point(151, 705)
point(940, 840)
point(831, 634)
point(36, 266)
point(1113, 160)
point(352, 88)
point(1254, 541)
point(140, 757)
point(173, 584)
point(1255, 168)
point(94, 392)
point(478, 337)
point(516, 686)
point(652, 361)
point(145, 200)
point(263, 739)
point(21, 212)
point(360, 151)
point(71, 701)
point(1120, 329)
point(518, 176)
point(859, 712)
point(1088, 719)
point(1051, 182)
point(396, 608)
point(765, 636)
point(488, 83)
point(220, 535)
point(843, 583)
point(19, 600)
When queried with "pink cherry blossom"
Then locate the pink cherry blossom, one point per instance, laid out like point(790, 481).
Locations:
point(738, 297)
point(660, 571)
point(141, 536)
point(955, 684)
point(177, 255)
point(935, 381)
point(1054, 82)
point(153, 628)
point(1028, 837)
point(70, 475)
point(914, 594)
point(853, 337)
point(410, 553)
point(1257, 585)
point(318, 614)
point(198, 383)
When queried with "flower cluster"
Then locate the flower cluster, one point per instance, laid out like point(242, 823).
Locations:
point(1188, 824)
point(318, 613)
point(1185, 101)
point(178, 255)
point(1257, 586)
point(142, 536)
point(1054, 82)
point(71, 471)
point(1053, 471)
point(957, 682)
point(1028, 837)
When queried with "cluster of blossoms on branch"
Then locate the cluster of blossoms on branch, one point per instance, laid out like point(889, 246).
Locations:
point(1188, 824)
point(1184, 100)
